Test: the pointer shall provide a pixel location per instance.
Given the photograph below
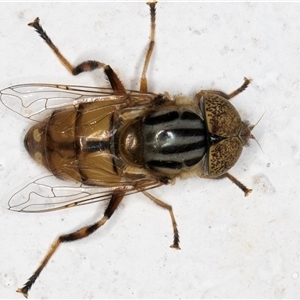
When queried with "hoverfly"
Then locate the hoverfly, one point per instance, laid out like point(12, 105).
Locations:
point(123, 141)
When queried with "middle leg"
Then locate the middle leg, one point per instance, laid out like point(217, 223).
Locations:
point(174, 224)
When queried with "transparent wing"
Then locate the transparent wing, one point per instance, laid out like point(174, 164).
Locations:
point(48, 193)
point(31, 100)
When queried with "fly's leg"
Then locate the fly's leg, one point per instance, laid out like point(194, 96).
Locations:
point(88, 65)
point(235, 181)
point(174, 224)
point(143, 81)
point(79, 234)
point(224, 95)
point(239, 184)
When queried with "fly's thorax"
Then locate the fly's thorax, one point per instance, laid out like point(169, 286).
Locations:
point(166, 141)
point(174, 140)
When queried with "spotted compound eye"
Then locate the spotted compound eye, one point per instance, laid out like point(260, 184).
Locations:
point(221, 117)
point(223, 122)
point(223, 156)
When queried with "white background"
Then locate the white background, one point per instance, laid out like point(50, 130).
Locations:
point(232, 246)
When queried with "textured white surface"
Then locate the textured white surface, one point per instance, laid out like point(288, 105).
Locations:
point(232, 246)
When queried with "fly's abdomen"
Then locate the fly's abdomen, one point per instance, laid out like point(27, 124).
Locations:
point(75, 143)
point(174, 140)
point(52, 143)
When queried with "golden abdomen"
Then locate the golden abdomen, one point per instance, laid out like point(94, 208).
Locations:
point(76, 144)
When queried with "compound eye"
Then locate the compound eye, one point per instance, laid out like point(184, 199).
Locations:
point(223, 155)
point(221, 117)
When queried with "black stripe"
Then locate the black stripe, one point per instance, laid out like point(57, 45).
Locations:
point(94, 146)
point(164, 164)
point(168, 117)
point(193, 161)
point(182, 148)
point(187, 115)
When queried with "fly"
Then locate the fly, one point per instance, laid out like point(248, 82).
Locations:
point(114, 142)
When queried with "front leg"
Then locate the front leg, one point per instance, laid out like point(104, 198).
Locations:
point(224, 95)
